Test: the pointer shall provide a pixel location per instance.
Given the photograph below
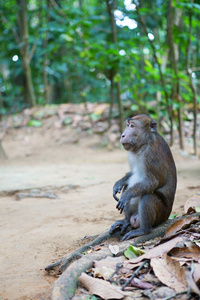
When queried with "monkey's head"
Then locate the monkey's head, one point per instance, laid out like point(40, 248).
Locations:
point(139, 131)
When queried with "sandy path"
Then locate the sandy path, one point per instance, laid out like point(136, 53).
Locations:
point(36, 232)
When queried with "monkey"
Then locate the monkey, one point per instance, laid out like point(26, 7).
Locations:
point(148, 190)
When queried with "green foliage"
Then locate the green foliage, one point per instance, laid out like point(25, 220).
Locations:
point(173, 216)
point(133, 252)
point(75, 56)
point(34, 123)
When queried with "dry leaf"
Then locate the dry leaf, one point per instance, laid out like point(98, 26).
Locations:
point(103, 272)
point(155, 252)
point(114, 249)
point(160, 293)
point(150, 278)
point(180, 224)
point(196, 273)
point(141, 284)
point(89, 251)
point(170, 272)
point(125, 271)
point(97, 248)
point(191, 252)
point(100, 287)
point(109, 262)
point(192, 283)
point(192, 202)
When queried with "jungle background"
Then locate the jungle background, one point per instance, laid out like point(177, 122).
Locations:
point(70, 74)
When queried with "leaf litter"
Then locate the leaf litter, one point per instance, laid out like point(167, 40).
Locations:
point(170, 269)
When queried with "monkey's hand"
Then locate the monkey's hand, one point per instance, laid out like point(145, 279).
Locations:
point(123, 201)
point(121, 184)
point(117, 189)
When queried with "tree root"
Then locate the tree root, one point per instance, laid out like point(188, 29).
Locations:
point(77, 254)
point(65, 287)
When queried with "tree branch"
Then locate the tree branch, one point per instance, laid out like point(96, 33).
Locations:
point(192, 85)
point(14, 32)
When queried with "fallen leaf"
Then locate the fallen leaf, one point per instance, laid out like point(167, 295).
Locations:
point(141, 284)
point(173, 216)
point(114, 249)
point(191, 283)
point(192, 252)
point(89, 251)
point(182, 260)
point(133, 252)
point(34, 123)
point(125, 271)
point(169, 272)
point(97, 248)
point(196, 273)
point(192, 202)
point(180, 224)
point(155, 252)
point(103, 272)
point(160, 293)
point(150, 278)
point(100, 287)
point(109, 262)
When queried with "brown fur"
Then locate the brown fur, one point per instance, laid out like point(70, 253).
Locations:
point(148, 190)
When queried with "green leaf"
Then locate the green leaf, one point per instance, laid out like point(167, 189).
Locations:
point(173, 216)
point(67, 37)
point(95, 117)
point(67, 121)
point(147, 62)
point(117, 77)
point(133, 252)
point(34, 123)
point(197, 208)
point(134, 107)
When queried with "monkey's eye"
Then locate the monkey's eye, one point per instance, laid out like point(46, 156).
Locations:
point(132, 125)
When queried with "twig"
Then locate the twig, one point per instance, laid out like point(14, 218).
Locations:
point(118, 266)
point(176, 294)
point(67, 283)
point(54, 4)
point(134, 274)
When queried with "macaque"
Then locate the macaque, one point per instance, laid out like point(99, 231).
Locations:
point(148, 190)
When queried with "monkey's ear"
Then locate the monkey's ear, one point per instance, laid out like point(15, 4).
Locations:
point(153, 126)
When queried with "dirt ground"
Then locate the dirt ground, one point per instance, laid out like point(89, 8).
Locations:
point(38, 231)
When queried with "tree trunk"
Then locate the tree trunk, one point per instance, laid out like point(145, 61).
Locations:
point(24, 36)
point(162, 79)
point(192, 85)
point(29, 82)
point(45, 58)
point(110, 8)
point(111, 98)
point(173, 18)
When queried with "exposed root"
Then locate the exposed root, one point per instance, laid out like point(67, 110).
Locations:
point(65, 287)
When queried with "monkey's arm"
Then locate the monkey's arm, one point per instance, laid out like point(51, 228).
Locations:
point(120, 184)
point(139, 189)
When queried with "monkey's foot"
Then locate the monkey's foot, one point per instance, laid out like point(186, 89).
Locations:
point(120, 224)
point(134, 233)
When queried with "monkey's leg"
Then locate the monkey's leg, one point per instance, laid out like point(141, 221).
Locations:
point(131, 209)
point(151, 211)
point(120, 224)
